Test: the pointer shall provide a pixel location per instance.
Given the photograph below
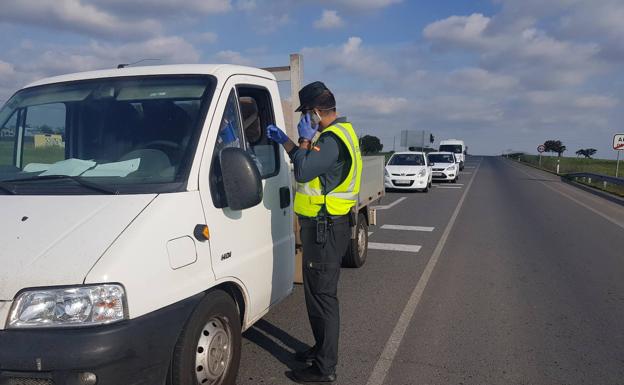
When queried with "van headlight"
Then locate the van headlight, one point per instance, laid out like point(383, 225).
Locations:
point(450, 168)
point(69, 307)
point(422, 173)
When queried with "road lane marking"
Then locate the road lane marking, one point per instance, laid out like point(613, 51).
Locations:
point(465, 172)
point(570, 197)
point(384, 363)
point(394, 247)
point(469, 166)
point(450, 187)
point(407, 228)
point(389, 206)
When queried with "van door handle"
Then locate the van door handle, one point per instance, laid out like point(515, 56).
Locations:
point(284, 193)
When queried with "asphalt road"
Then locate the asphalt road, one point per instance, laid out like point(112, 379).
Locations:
point(519, 279)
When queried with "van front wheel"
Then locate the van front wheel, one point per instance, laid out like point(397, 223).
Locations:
point(209, 349)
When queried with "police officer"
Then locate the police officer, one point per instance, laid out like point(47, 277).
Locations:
point(328, 173)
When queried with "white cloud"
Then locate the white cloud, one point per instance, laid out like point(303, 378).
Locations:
point(272, 22)
point(76, 16)
point(480, 79)
point(207, 37)
point(459, 31)
point(246, 5)
point(596, 102)
point(6, 69)
point(364, 4)
point(329, 20)
point(374, 103)
point(165, 7)
point(232, 57)
point(521, 50)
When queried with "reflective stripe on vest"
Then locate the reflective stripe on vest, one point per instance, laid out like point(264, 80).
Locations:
point(309, 196)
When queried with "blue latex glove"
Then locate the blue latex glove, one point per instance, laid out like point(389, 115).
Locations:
point(306, 129)
point(276, 134)
point(228, 134)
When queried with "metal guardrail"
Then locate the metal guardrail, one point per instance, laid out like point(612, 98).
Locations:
point(596, 177)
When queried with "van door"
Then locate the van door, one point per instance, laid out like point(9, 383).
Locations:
point(254, 246)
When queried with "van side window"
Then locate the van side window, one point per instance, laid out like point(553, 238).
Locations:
point(257, 113)
point(44, 137)
point(229, 136)
point(7, 140)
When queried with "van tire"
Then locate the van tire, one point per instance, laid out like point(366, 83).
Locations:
point(213, 327)
point(358, 248)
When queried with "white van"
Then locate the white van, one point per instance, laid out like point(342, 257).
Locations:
point(146, 221)
point(457, 147)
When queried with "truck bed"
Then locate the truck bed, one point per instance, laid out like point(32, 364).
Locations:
point(372, 187)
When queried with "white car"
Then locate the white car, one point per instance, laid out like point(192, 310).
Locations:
point(444, 166)
point(408, 171)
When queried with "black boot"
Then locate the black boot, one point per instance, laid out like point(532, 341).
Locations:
point(306, 356)
point(310, 375)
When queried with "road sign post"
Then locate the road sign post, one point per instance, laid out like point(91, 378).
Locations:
point(618, 145)
point(541, 148)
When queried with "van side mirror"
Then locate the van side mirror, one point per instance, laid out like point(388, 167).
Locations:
point(241, 179)
point(431, 163)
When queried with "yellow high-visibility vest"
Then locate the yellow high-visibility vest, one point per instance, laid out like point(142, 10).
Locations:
point(309, 196)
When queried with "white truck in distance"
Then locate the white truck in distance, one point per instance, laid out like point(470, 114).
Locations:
point(146, 226)
point(457, 147)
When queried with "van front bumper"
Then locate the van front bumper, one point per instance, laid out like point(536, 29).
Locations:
point(132, 352)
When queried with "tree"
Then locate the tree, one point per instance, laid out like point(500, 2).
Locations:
point(370, 144)
point(586, 152)
point(554, 146)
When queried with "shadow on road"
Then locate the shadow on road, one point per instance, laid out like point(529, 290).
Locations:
point(263, 334)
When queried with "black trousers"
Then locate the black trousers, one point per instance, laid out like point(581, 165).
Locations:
point(321, 270)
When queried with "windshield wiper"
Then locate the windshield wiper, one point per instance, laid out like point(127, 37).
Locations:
point(79, 180)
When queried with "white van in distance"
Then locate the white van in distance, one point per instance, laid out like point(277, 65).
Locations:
point(457, 147)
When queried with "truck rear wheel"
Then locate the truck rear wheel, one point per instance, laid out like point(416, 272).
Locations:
point(358, 249)
point(209, 349)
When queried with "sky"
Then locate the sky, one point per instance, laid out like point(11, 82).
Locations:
point(500, 74)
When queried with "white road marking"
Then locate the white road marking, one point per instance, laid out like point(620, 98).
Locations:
point(466, 172)
point(407, 228)
point(394, 247)
point(384, 363)
point(391, 205)
point(588, 207)
point(450, 187)
point(469, 166)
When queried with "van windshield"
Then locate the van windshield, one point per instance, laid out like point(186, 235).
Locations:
point(455, 148)
point(407, 160)
point(127, 135)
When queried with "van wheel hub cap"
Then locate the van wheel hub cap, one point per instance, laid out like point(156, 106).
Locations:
point(214, 351)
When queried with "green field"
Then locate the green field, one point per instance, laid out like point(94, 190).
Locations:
point(31, 154)
point(571, 165)
point(574, 165)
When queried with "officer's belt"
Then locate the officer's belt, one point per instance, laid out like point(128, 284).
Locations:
point(330, 218)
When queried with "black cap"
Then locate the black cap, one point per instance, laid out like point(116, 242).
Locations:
point(309, 94)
